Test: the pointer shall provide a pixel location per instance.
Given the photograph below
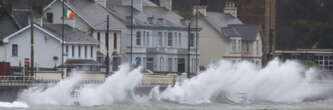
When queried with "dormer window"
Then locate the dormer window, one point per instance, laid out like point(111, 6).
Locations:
point(183, 21)
point(150, 20)
point(160, 21)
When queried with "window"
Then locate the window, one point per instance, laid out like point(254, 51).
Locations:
point(160, 39)
point(73, 51)
point(257, 47)
point(160, 20)
point(144, 38)
point(170, 39)
point(49, 17)
point(92, 51)
point(66, 54)
point(115, 63)
point(14, 50)
point(234, 46)
point(99, 36)
point(148, 39)
point(138, 38)
point(180, 40)
point(169, 64)
point(176, 38)
point(165, 39)
point(150, 63)
point(115, 40)
point(161, 64)
point(79, 50)
point(85, 51)
point(191, 40)
point(181, 65)
point(238, 45)
point(150, 20)
point(246, 47)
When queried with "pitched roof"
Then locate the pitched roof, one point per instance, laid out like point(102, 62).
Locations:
point(170, 18)
point(72, 35)
point(94, 14)
point(7, 24)
point(245, 31)
point(22, 17)
point(218, 20)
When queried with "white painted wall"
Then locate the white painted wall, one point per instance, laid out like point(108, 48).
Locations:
point(152, 41)
point(46, 48)
point(111, 41)
point(76, 51)
point(212, 47)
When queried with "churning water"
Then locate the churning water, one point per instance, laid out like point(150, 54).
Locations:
point(227, 85)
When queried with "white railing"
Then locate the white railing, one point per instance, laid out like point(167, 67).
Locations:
point(148, 80)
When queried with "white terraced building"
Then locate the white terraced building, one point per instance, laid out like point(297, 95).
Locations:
point(160, 36)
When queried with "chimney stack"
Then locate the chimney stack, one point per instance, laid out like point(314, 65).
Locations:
point(166, 4)
point(200, 8)
point(231, 7)
point(38, 6)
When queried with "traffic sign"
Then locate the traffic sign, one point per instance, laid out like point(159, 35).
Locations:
point(138, 60)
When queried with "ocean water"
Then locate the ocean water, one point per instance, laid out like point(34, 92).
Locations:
point(223, 86)
point(173, 106)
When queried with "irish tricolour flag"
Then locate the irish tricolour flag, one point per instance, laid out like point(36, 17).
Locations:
point(69, 14)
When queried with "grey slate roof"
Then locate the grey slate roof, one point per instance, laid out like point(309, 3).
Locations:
point(7, 24)
point(95, 14)
point(170, 18)
point(22, 17)
point(72, 35)
point(245, 31)
point(219, 20)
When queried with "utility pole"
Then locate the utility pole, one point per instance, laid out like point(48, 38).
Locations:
point(107, 46)
point(189, 50)
point(132, 27)
point(32, 39)
point(197, 39)
point(62, 39)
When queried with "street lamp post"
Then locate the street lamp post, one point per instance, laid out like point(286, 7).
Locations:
point(107, 46)
point(32, 39)
point(189, 50)
point(132, 27)
point(196, 38)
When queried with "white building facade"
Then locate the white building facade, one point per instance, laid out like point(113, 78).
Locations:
point(91, 18)
point(47, 48)
point(160, 38)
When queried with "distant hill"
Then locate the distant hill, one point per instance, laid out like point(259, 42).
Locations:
point(304, 24)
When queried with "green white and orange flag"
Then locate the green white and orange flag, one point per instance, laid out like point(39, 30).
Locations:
point(69, 14)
